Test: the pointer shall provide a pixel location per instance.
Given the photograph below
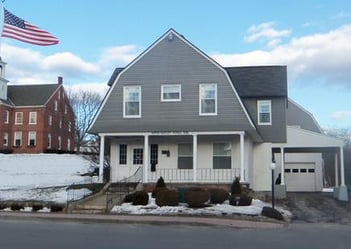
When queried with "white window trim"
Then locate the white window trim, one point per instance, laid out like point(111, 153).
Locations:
point(17, 113)
point(259, 103)
point(124, 102)
point(171, 100)
point(35, 138)
point(49, 141)
point(7, 117)
point(36, 117)
point(14, 138)
point(50, 120)
point(6, 135)
point(216, 99)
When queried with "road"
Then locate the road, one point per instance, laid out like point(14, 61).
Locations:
point(40, 234)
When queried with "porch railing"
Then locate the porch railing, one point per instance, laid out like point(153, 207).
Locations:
point(205, 175)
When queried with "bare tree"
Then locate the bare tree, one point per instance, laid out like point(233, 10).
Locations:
point(341, 133)
point(85, 104)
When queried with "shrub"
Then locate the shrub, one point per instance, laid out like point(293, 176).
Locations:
point(56, 208)
point(3, 206)
point(37, 207)
point(140, 198)
point(16, 207)
point(157, 190)
point(240, 200)
point(197, 199)
point(167, 198)
point(218, 196)
point(160, 183)
point(272, 213)
point(236, 187)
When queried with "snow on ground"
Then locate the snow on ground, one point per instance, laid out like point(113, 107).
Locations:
point(224, 209)
point(41, 177)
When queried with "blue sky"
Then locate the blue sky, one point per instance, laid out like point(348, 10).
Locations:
point(312, 38)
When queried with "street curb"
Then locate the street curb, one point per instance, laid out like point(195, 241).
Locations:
point(148, 219)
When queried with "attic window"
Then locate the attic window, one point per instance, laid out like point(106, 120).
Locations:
point(264, 109)
point(171, 93)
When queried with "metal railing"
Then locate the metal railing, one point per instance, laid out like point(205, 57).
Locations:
point(117, 191)
point(79, 190)
point(205, 175)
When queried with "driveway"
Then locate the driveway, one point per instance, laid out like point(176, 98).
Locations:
point(317, 208)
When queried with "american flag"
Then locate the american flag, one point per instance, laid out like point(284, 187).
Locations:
point(19, 29)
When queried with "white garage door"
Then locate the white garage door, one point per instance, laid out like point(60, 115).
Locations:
point(300, 177)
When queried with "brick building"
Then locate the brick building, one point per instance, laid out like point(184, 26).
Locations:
point(35, 118)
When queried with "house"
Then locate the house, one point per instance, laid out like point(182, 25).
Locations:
point(175, 112)
point(35, 118)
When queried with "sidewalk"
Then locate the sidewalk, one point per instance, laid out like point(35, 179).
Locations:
point(146, 219)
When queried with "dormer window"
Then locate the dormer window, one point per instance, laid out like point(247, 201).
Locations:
point(171, 93)
point(264, 109)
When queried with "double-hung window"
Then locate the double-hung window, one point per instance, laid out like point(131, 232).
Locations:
point(222, 156)
point(264, 108)
point(208, 99)
point(6, 117)
point(171, 93)
point(19, 118)
point(17, 139)
point(32, 137)
point(132, 101)
point(185, 156)
point(32, 117)
point(6, 139)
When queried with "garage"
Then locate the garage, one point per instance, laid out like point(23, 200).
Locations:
point(300, 177)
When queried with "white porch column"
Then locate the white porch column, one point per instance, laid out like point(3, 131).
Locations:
point(242, 169)
point(343, 194)
point(146, 158)
point(336, 170)
point(101, 158)
point(195, 157)
point(282, 171)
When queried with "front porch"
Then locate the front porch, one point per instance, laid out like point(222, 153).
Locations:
point(197, 157)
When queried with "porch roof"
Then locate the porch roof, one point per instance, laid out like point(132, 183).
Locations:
point(300, 138)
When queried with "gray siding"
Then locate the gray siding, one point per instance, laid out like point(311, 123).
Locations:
point(275, 133)
point(172, 62)
point(300, 117)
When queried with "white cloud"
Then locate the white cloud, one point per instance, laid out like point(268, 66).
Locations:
point(68, 63)
point(320, 56)
point(266, 32)
point(341, 115)
point(119, 55)
point(30, 66)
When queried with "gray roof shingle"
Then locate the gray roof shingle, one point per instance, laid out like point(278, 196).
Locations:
point(259, 81)
point(30, 95)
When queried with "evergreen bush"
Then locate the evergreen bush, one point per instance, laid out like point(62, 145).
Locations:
point(236, 187)
point(218, 196)
point(197, 199)
point(167, 198)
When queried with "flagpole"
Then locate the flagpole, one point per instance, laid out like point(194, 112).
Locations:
point(2, 23)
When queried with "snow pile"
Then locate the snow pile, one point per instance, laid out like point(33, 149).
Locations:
point(41, 177)
point(41, 170)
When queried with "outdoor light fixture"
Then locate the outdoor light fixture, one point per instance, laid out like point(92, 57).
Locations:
point(273, 166)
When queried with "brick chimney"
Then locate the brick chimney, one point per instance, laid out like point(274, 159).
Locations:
point(59, 80)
